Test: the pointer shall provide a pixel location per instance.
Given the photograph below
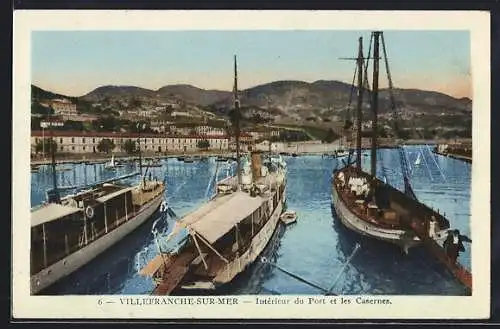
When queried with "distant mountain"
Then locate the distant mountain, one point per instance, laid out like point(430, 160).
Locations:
point(299, 100)
point(193, 95)
point(38, 94)
point(326, 98)
point(104, 92)
point(426, 101)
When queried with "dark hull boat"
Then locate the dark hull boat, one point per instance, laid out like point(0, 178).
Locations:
point(367, 205)
point(389, 217)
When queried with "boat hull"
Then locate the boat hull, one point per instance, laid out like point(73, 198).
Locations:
point(71, 263)
point(356, 224)
point(257, 246)
point(240, 264)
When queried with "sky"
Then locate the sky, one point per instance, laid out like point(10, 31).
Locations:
point(74, 63)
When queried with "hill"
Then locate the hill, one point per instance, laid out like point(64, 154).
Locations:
point(300, 101)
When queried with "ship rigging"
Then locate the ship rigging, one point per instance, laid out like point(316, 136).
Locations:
point(371, 207)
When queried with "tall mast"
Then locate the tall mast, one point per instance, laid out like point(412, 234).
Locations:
point(376, 36)
point(237, 121)
point(55, 197)
point(139, 127)
point(360, 63)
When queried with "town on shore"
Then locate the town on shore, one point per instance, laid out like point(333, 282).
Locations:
point(173, 128)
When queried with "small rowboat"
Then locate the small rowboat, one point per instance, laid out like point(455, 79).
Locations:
point(288, 217)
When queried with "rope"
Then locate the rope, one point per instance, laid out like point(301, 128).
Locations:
point(295, 276)
point(348, 116)
point(356, 248)
point(389, 78)
point(437, 165)
point(366, 83)
point(409, 163)
point(214, 177)
point(427, 166)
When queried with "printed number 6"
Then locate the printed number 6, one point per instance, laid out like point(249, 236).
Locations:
point(99, 302)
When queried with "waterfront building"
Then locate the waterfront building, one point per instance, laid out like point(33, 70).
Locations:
point(87, 142)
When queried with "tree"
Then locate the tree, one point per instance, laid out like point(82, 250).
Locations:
point(129, 147)
point(37, 108)
point(203, 144)
point(107, 123)
point(46, 145)
point(106, 145)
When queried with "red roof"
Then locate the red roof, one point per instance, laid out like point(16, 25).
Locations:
point(59, 133)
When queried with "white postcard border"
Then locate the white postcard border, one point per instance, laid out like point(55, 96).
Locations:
point(402, 307)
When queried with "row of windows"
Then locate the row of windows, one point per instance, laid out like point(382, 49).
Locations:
point(72, 148)
point(151, 141)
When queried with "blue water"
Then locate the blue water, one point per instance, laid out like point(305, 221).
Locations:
point(315, 248)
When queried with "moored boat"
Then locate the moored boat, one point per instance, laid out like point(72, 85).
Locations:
point(288, 217)
point(219, 240)
point(369, 206)
point(188, 159)
point(68, 232)
point(154, 163)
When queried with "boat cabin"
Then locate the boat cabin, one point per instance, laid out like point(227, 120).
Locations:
point(58, 230)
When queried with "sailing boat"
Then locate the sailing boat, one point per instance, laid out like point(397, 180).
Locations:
point(219, 240)
point(110, 165)
point(366, 204)
point(370, 207)
point(68, 232)
point(417, 162)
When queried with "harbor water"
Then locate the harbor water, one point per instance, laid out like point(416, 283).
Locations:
point(315, 248)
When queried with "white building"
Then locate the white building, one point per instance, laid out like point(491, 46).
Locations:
point(208, 130)
point(82, 142)
point(62, 107)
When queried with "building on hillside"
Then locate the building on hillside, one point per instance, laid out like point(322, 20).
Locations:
point(87, 142)
point(180, 130)
point(61, 107)
point(181, 114)
point(256, 134)
point(209, 130)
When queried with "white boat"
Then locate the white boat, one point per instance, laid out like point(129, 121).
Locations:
point(223, 237)
point(112, 165)
point(288, 217)
point(69, 234)
point(341, 153)
point(417, 162)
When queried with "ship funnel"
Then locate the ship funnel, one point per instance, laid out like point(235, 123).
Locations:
point(256, 164)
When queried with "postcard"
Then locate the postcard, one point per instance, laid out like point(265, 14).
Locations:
point(251, 165)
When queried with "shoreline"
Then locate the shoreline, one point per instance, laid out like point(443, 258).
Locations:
point(455, 156)
point(298, 149)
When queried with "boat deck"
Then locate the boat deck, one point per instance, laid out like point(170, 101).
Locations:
point(368, 211)
point(399, 213)
point(173, 272)
point(147, 193)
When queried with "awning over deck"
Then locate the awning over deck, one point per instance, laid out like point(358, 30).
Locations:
point(219, 216)
point(50, 212)
point(112, 195)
